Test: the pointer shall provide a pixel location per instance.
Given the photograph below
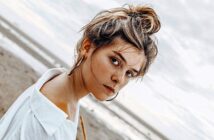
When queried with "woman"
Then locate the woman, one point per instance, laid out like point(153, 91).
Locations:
point(116, 47)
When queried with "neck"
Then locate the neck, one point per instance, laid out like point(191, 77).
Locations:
point(76, 85)
point(66, 90)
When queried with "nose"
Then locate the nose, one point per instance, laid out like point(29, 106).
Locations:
point(118, 77)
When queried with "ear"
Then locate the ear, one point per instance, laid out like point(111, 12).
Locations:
point(86, 45)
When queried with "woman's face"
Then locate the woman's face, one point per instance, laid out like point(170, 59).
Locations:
point(111, 66)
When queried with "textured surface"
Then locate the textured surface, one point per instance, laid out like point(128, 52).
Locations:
point(15, 77)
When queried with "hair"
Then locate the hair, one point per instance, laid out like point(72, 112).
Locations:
point(134, 24)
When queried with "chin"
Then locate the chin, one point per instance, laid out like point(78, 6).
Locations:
point(98, 97)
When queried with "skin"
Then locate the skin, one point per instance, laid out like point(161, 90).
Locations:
point(101, 67)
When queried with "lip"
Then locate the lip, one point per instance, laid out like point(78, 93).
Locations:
point(110, 89)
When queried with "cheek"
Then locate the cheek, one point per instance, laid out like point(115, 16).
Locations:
point(103, 66)
point(124, 84)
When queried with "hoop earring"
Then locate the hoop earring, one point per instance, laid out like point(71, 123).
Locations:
point(113, 97)
point(81, 60)
point(77, 64)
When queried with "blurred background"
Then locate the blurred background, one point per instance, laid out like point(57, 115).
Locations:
point(174, 100)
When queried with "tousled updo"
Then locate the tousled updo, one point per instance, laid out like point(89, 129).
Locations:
point(134, 24)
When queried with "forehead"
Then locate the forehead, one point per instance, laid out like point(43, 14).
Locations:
point(133, 55)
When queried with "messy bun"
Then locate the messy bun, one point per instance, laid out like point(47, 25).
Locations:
point(134, 24)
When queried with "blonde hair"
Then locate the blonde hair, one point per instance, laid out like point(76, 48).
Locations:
point(134, 24)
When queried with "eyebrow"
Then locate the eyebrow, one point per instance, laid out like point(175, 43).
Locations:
point(121, 56)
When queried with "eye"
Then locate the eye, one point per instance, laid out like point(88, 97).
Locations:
point(130, 74)
point(115, 61)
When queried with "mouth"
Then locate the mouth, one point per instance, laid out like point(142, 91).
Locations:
point(109, 89)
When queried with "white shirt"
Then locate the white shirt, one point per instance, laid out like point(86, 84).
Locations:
point(34, 117)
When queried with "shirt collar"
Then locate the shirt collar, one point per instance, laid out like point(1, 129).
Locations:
point(47, 113)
